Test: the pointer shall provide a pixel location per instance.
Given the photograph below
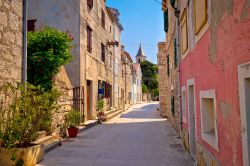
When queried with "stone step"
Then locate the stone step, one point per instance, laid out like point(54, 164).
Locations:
point(49, 142)
point(110, 111)
point(114, 114)
point(41, 134)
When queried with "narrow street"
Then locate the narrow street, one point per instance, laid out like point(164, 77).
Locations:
point(139, 137)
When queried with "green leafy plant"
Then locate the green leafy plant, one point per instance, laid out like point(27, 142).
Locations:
point(72, 118)
point(149, 76)
point(144, 88)
point(48, 50)
point(100, 105)
point(23, 112)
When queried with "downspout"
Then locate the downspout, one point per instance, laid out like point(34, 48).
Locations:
point(24, 56)
point(177, 15)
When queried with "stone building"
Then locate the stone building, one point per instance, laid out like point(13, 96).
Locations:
point(214, 75)
point(11, 41)
point(128, 77)
point(118, 79)
point(169, 79)
point(137, 84)
point(94, 29)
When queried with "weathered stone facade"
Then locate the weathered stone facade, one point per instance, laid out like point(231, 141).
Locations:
point(128, 62)
point(96, 66)
point(137, 84)
point(65, 102)
point(11, 39)
point(163, 82)
point(171, 74)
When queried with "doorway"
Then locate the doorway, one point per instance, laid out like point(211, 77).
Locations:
point(192, 128)
point(89, 99)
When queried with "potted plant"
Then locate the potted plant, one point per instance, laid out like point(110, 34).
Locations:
point(73, 121)
point(23, 112)
point(100, 113)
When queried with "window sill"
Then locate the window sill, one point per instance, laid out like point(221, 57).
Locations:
point(201, 32)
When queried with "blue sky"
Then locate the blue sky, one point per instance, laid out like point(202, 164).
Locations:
point(143, 23)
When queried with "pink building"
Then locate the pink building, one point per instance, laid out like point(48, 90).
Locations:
point(214, 54)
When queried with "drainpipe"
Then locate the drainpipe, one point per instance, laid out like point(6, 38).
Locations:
point(24, 56)
point(177, 15)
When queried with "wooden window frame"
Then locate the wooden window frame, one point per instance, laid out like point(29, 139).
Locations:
point(198, 28)
point(184, 20)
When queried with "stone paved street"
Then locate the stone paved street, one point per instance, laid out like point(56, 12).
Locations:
point(138, 137)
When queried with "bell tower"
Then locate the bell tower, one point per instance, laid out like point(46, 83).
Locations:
point(140, 57)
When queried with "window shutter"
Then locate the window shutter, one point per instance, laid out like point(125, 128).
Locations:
point(175, 53)
point(173, 105)
point(166, 25)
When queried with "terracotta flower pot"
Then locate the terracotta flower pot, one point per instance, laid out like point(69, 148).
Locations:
point(28, 156)
point(72, 131)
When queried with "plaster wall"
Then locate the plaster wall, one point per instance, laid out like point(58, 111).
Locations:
point(213, 63)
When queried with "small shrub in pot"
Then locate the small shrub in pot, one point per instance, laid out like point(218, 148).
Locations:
point(72, 122)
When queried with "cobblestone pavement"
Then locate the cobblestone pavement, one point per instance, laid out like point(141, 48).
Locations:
point(139, 137)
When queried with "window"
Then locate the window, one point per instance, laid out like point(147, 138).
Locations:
point(31, 25)
point(103, 19)
point(183, 104)
point(166, 24)
point(200, 14)
point(103, 52)
point(90, 4)
point(168, 66)
point(89, 39)
point(173, 105)
point(184, 32)
point(208, 118)
point(175, 53)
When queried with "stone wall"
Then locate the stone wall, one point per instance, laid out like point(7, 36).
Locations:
point(62, 83)
point(163, 82)
point(174, 109)
point(10, 40)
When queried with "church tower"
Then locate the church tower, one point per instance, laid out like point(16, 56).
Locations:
point(140, 57)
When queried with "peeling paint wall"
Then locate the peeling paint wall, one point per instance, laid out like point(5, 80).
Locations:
point(213, 64)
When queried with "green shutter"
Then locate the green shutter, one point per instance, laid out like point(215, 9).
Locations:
point(173, 105)
point(175, 53)
point(172, 2)
point(166, 21)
